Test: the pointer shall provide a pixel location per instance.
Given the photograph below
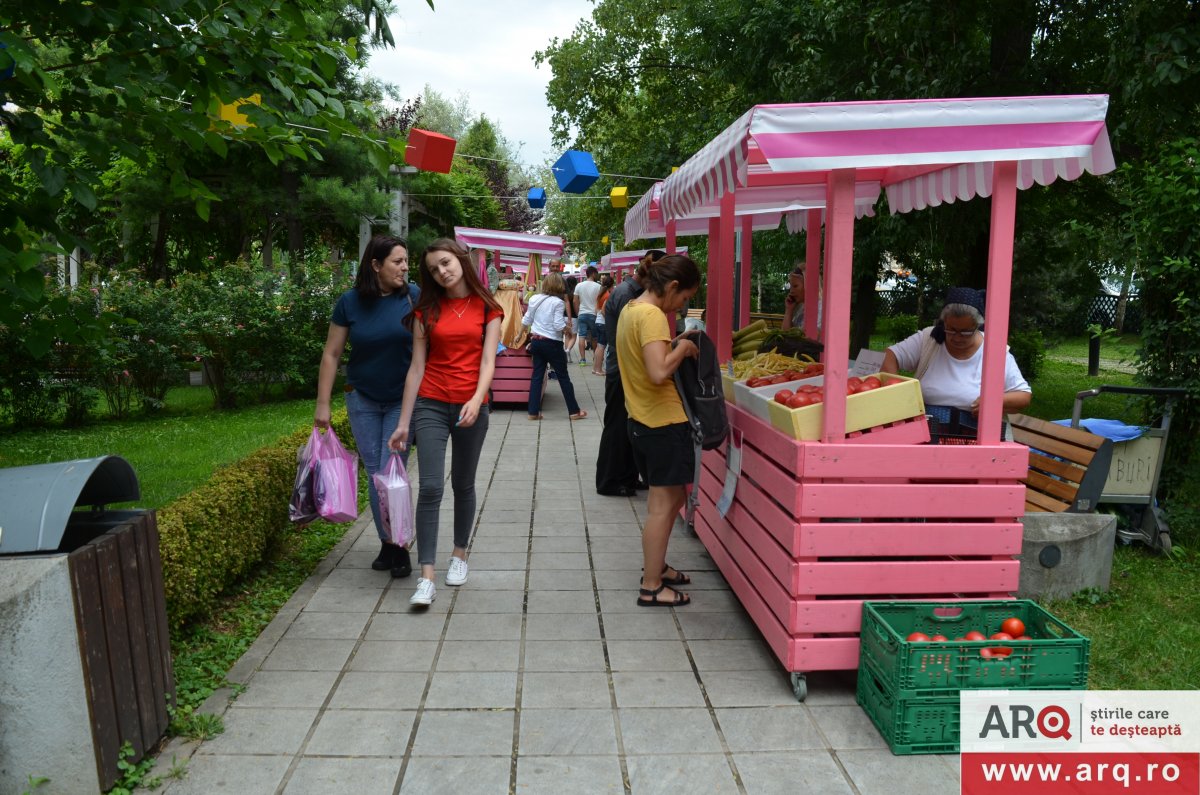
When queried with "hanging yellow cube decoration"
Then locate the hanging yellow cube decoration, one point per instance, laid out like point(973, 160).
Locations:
point(619, 197)
point(232, 113)
point(604, 240)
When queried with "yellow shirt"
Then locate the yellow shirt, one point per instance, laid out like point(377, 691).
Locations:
point(650, 404)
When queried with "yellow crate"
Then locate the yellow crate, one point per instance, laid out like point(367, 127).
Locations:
point(898, 399)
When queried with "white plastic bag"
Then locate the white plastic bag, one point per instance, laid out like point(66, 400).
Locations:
point(395, 501)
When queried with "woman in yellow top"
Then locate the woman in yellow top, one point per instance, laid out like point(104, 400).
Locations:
point(658, 429)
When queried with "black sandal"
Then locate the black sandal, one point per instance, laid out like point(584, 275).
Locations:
point(680, 577)
point(679, 600)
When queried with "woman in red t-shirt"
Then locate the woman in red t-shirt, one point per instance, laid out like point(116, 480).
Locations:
point(456, 332)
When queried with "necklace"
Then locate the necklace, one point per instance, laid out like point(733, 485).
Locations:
point(460, 312)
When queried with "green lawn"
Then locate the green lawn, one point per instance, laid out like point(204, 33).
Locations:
point(171, 454)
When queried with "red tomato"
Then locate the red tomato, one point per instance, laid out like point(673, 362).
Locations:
point(975, 635)
point(782, 396)
point(995, 652)
point(817, 397)
point(917, 637)
point(1022, 637)
point(867, 386)
point(1013, 626)
point(799, 400)
point(754, 382)
point(1002, 636)
point(872, 382)
point(939, 638)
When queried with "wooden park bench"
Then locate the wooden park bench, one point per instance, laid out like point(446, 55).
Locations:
point(1067, 466)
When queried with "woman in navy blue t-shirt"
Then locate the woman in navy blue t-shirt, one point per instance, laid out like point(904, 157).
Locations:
point(369, 317)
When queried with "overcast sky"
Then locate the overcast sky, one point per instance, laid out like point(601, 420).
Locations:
point(484, 48)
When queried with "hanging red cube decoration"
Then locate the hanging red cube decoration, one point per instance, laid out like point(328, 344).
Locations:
point(619, 197)
point(575, 171)
point(429, 151)
point(537, 198)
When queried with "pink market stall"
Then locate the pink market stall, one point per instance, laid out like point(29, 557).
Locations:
point(514, 367)
point(812, 510)
point(624, 263)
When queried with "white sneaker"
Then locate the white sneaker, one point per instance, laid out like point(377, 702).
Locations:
point(425, 594)
point(457, 574)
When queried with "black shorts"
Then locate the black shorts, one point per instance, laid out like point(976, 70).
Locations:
point(601, 333)
point(665, 455)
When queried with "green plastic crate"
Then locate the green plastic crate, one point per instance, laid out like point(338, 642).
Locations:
point(1056, 658)
point(918, 725)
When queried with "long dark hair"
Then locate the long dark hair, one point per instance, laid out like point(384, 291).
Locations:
point(655, 275)
point(366, 281)
point(432, 293)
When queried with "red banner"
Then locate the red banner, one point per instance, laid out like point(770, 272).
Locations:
point(1080, 773)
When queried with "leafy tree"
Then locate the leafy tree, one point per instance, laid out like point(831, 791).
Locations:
point(91, 83)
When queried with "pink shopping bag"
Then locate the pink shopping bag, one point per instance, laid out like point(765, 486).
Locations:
point(302, 508)
point(395, 501)
point(336, 476)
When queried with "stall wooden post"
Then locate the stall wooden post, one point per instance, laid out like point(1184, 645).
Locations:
point(720, 278)
point(812, 275)
point(999, 290)
point(839, 255)
point(744, 293)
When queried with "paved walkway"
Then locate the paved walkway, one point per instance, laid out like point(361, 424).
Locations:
point(540, 675)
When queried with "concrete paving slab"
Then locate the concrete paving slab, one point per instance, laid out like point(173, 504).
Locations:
point(564, 655)
point(554, 775)
point(321, 776)
point(394, 655)
point(237, 775)
point(672, 774)
point(479, 655)
point(668, 731)
point(573, 690)
point(561, 626)
point(378, 690)
point(308, 655)
point(790, 772)
point(456, 775)
point(480, 626)
point(261, 730)
point(567, 732)
point(562, 602)
point(465, 733)
point(780, 728)
point(648, 655)
point(328, 626)
point(338, 599)
point(472, 690)
point(358, 732)
point(288, 689)
point(876, 772)
point(657, 689)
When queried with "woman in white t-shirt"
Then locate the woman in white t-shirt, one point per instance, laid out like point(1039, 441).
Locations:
point(947, 358)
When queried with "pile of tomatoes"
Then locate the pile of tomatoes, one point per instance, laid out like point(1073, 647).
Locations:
point(1011, 628)
point(810, 394)
point(808, 371)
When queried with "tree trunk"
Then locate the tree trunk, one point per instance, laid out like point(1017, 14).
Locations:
point(158, 256)
point(863, 309)
point(295, 231)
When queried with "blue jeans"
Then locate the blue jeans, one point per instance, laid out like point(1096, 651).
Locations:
point(372, 424)
point(434, 424)
point(548, 351)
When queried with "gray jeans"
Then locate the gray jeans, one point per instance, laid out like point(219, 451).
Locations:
point(433, 422)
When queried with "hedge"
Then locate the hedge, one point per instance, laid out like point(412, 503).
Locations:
point(215, 535)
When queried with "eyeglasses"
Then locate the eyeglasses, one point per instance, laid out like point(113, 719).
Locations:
point(961, 334)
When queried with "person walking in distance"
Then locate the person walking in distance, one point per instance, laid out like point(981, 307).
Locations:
point(546, 318)
point(370, 316)
point(586, 295)
point(456, 332)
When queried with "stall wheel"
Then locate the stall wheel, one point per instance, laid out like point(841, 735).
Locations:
point(799, 686)
point(1164, 542)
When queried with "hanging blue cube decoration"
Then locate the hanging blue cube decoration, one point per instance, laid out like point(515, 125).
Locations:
point(8, 64)
point(537, 198)
point(575, 171)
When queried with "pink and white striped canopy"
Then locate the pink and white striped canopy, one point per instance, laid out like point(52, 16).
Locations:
point(921, 152)
point(618, 260)
point(766, 206)
point(509, 242)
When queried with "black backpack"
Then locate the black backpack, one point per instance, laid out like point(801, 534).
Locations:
point(699, 383)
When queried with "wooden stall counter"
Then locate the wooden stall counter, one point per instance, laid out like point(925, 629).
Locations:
point(815, 529)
